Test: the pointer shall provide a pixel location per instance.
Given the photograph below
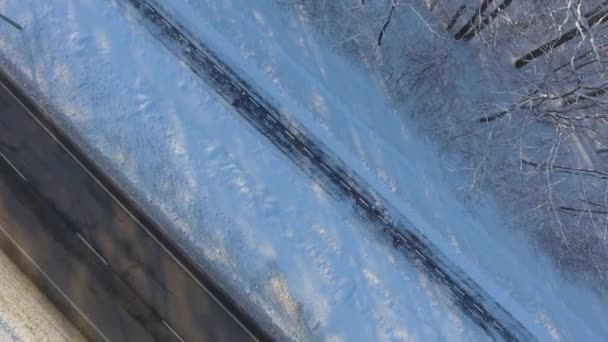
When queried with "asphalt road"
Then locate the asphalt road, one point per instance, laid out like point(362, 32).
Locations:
point(104, 263)
point(328, 170)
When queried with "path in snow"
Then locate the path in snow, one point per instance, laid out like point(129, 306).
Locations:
point(315, 160)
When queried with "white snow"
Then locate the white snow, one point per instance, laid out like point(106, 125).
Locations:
point(25, 314)
point(292, 252)
point(346, 108)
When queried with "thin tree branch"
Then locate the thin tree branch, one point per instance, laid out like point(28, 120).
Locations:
point(11, 22)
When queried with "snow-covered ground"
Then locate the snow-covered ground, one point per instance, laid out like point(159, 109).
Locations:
point(348, 110)
point(25, 313)
point(243, 209)
point(273, 237)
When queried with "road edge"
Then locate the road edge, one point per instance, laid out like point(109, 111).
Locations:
point(244, 318)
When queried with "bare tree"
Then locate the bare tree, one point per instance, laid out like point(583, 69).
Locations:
point(456, 16)
point(474, 19)
point(595, 17)
point(485, 20)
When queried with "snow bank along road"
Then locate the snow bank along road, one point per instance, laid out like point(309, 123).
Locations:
point(91, 250)
point(319, 163)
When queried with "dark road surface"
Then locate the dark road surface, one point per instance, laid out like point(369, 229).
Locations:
point(100, 260)
point(321, 164)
